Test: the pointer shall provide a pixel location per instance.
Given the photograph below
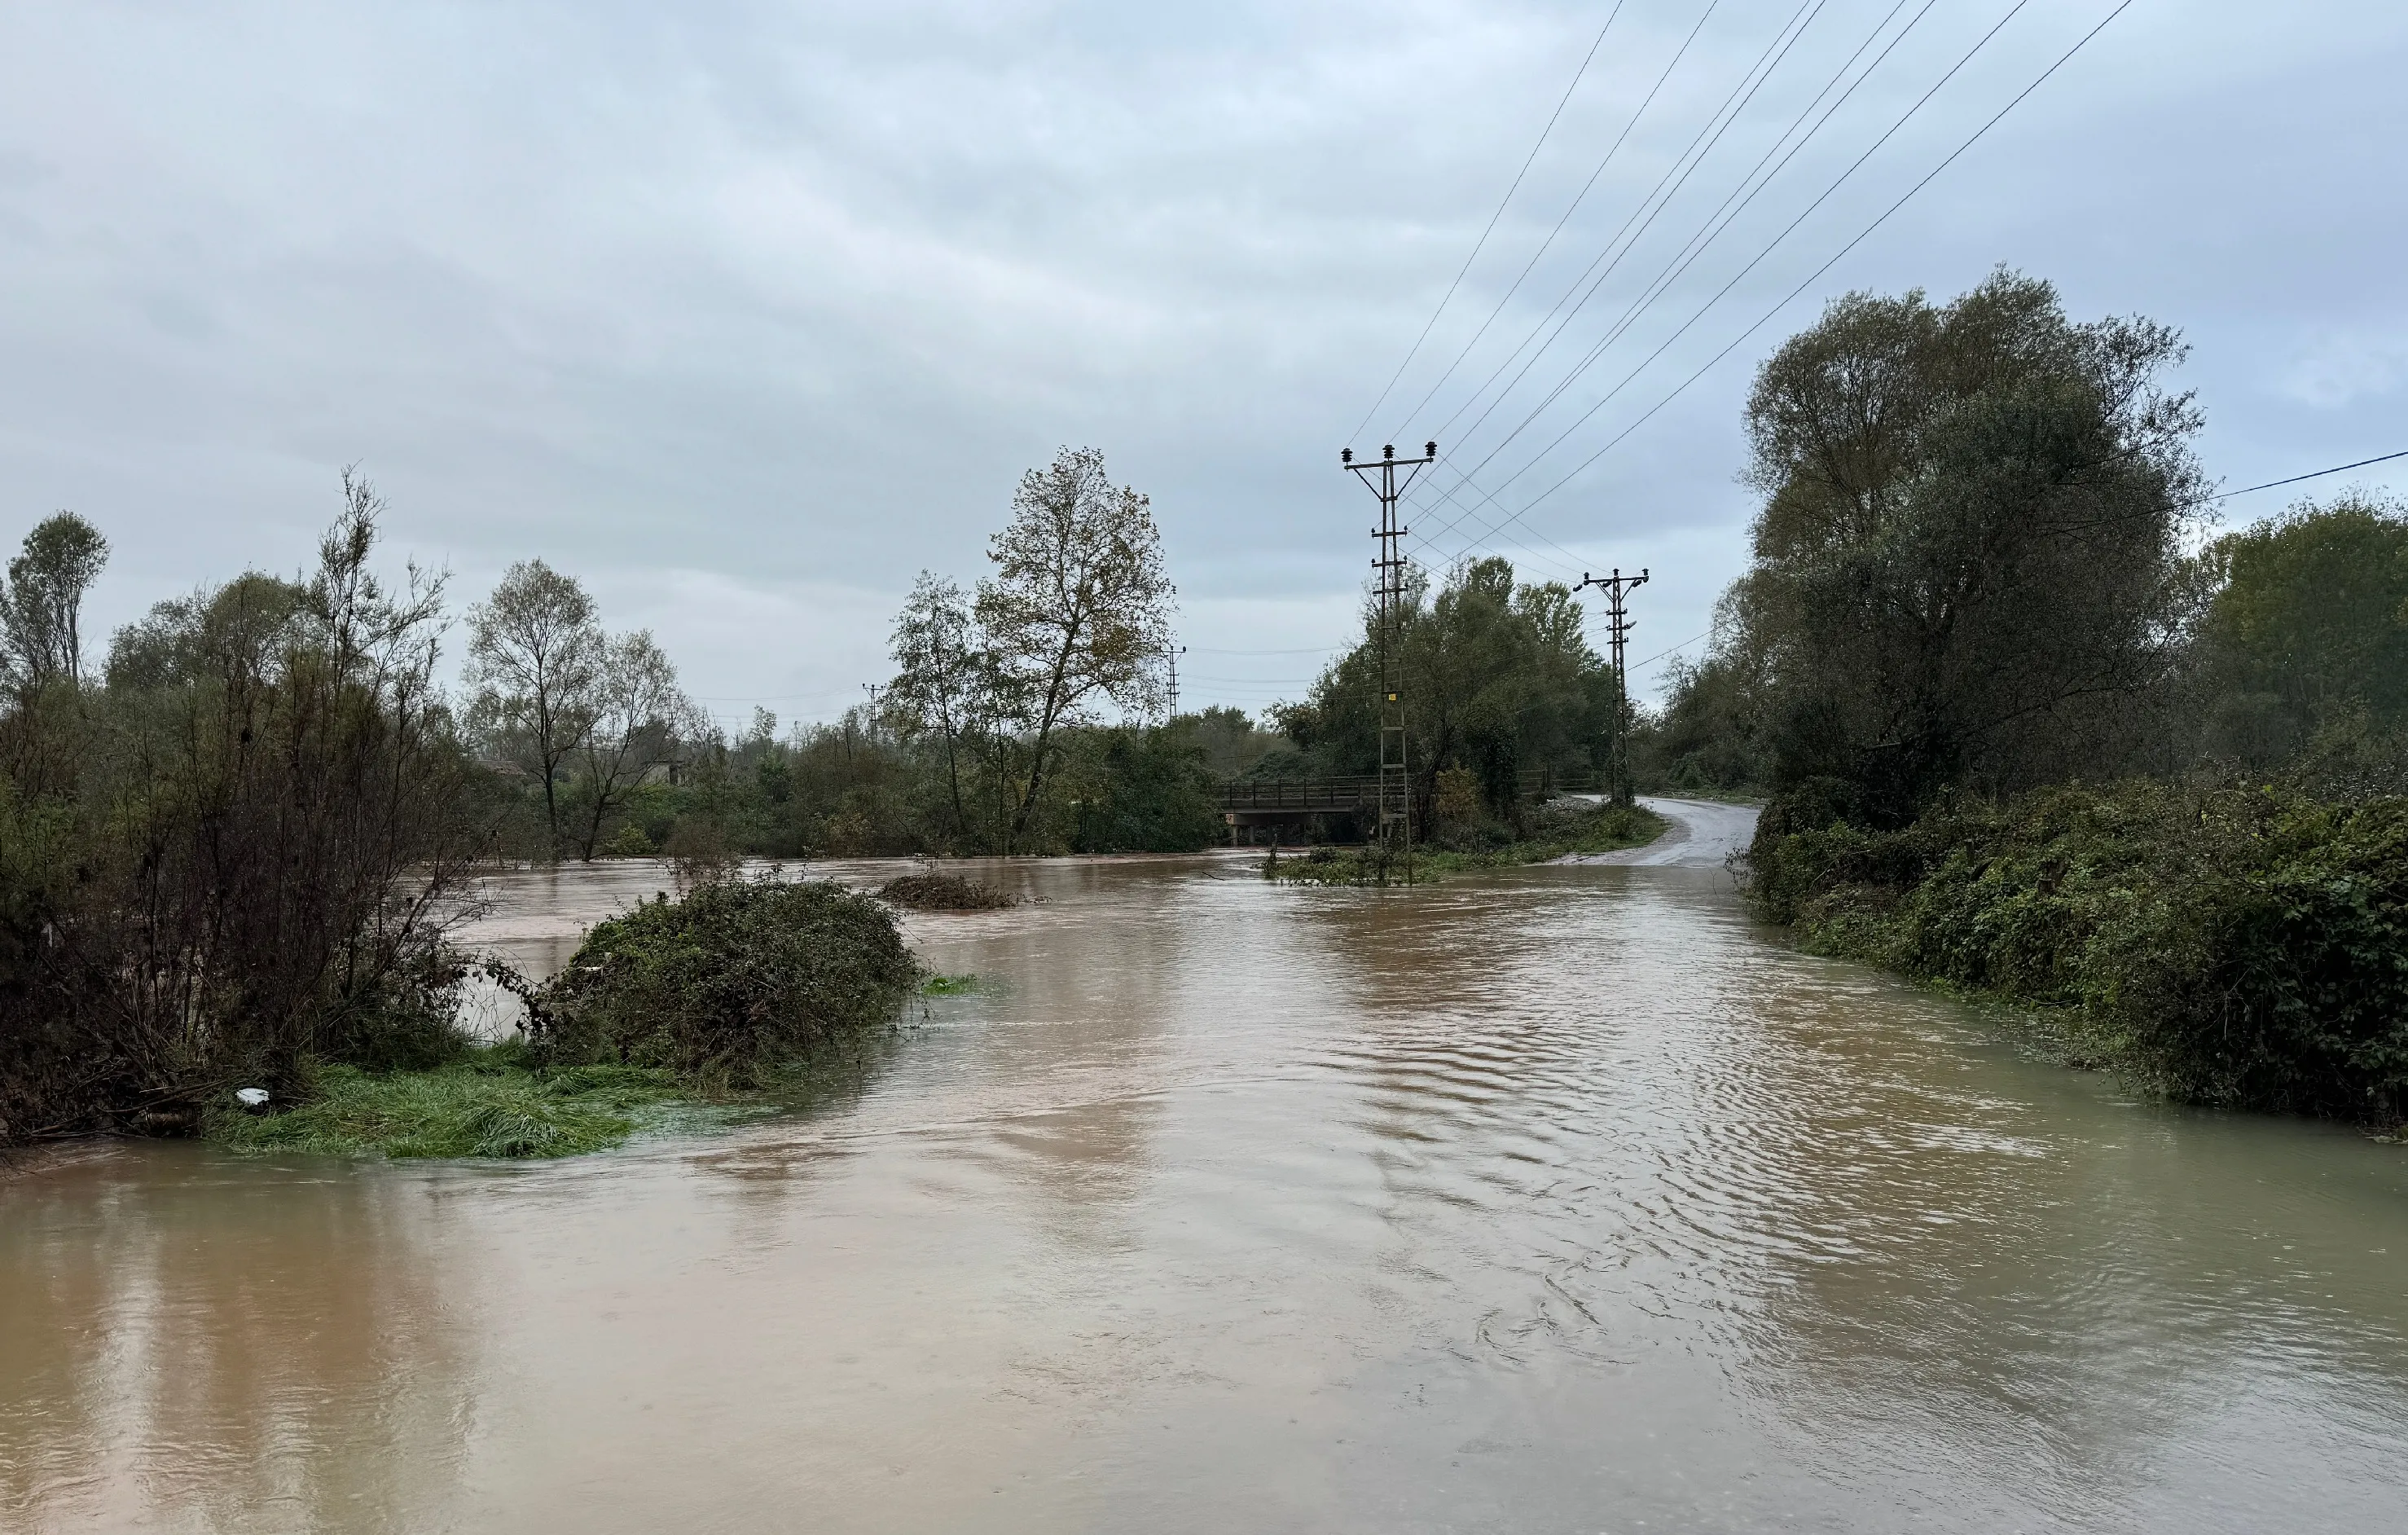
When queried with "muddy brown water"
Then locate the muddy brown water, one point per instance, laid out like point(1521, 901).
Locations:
point(1564, 1200)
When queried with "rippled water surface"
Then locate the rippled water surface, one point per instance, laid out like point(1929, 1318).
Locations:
point(1561, 1200)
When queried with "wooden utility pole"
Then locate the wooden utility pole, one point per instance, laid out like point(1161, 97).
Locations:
point(1618, 627)
point(1388, 479)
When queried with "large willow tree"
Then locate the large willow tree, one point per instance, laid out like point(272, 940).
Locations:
point(1967, 569)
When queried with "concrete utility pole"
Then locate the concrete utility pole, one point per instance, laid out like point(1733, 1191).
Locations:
point(1618, 627)
point(1176, 652)
point(1388, 480)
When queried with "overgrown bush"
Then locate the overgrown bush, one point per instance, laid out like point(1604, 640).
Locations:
point(2240, 945)
point(727, 986)
point(944, 892)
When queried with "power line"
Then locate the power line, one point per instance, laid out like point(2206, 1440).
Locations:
point(1774, 244)
point(1657, 290)
point(1493, 530)
point(1793, 294)
point(1543, 245)
point(1681, 646)
point(1502, 203)
point(1717, 222)
point(1725, 115)
point(2319, 474)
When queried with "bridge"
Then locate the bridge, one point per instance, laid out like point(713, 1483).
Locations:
point(1250, 803)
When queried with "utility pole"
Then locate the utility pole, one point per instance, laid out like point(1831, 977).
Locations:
point(872, 689)
point(1388, 480)
point(1176, 652)
point(1618, 627)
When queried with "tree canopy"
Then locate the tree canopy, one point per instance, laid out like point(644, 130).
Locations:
point(1968, 566)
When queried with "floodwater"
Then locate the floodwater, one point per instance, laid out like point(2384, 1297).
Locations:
point(1564, 1200)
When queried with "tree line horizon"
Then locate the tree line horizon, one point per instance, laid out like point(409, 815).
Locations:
point(1975, 572)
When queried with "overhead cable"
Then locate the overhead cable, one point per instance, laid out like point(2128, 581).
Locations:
point(1501, 205)
point(2318, 474)
point(1818, 274)
point(1791, 227)
point(1716, 223)
point(1615, 147)
point(1675, 176)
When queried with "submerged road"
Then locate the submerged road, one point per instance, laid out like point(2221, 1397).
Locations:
point(1704, 834)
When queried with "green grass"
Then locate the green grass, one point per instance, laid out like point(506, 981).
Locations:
point(492, 1104)
point(1602, 828)
point(949, 985)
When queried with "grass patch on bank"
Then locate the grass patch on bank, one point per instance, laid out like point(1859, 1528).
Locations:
point(1553, 833)
point(949, 985)
point(494, 1103)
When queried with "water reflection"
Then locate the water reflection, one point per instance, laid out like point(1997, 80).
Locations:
point(225, 1352)
point(1563, 1201)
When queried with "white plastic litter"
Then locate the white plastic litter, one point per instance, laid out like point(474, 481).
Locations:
point(251, 1098)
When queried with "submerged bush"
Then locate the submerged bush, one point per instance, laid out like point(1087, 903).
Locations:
point(2238, 946)
point(945, 893)
point(727, 986)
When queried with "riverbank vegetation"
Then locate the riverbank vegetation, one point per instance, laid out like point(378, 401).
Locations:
point(2028, 727)
point(232, 856)
point(229, 854)
point(724, 996)
point(728, 988)
point(491, 1102)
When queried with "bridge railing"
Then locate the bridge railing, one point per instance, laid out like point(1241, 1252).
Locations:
point(1341, 792)
point(1334, 794)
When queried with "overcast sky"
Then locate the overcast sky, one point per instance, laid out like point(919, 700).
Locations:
point(743, 314)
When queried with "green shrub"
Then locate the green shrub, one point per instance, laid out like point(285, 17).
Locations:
point(728, 985)
point(2232, 945)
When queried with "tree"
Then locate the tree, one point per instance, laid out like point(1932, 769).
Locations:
point(41, 604)
point(1500, 679)
point(637, 717)
point(944, 686)
point(2308, 624)
point(536, 656)
point(1968, 567)
point(253, 862)
point(1078, 608)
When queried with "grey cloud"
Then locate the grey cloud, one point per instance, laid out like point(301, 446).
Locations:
point(752, 311)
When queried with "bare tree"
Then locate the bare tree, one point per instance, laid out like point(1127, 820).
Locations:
point(1079, 606)
point(536, 658)
point(639, 716)
point(41, 604)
